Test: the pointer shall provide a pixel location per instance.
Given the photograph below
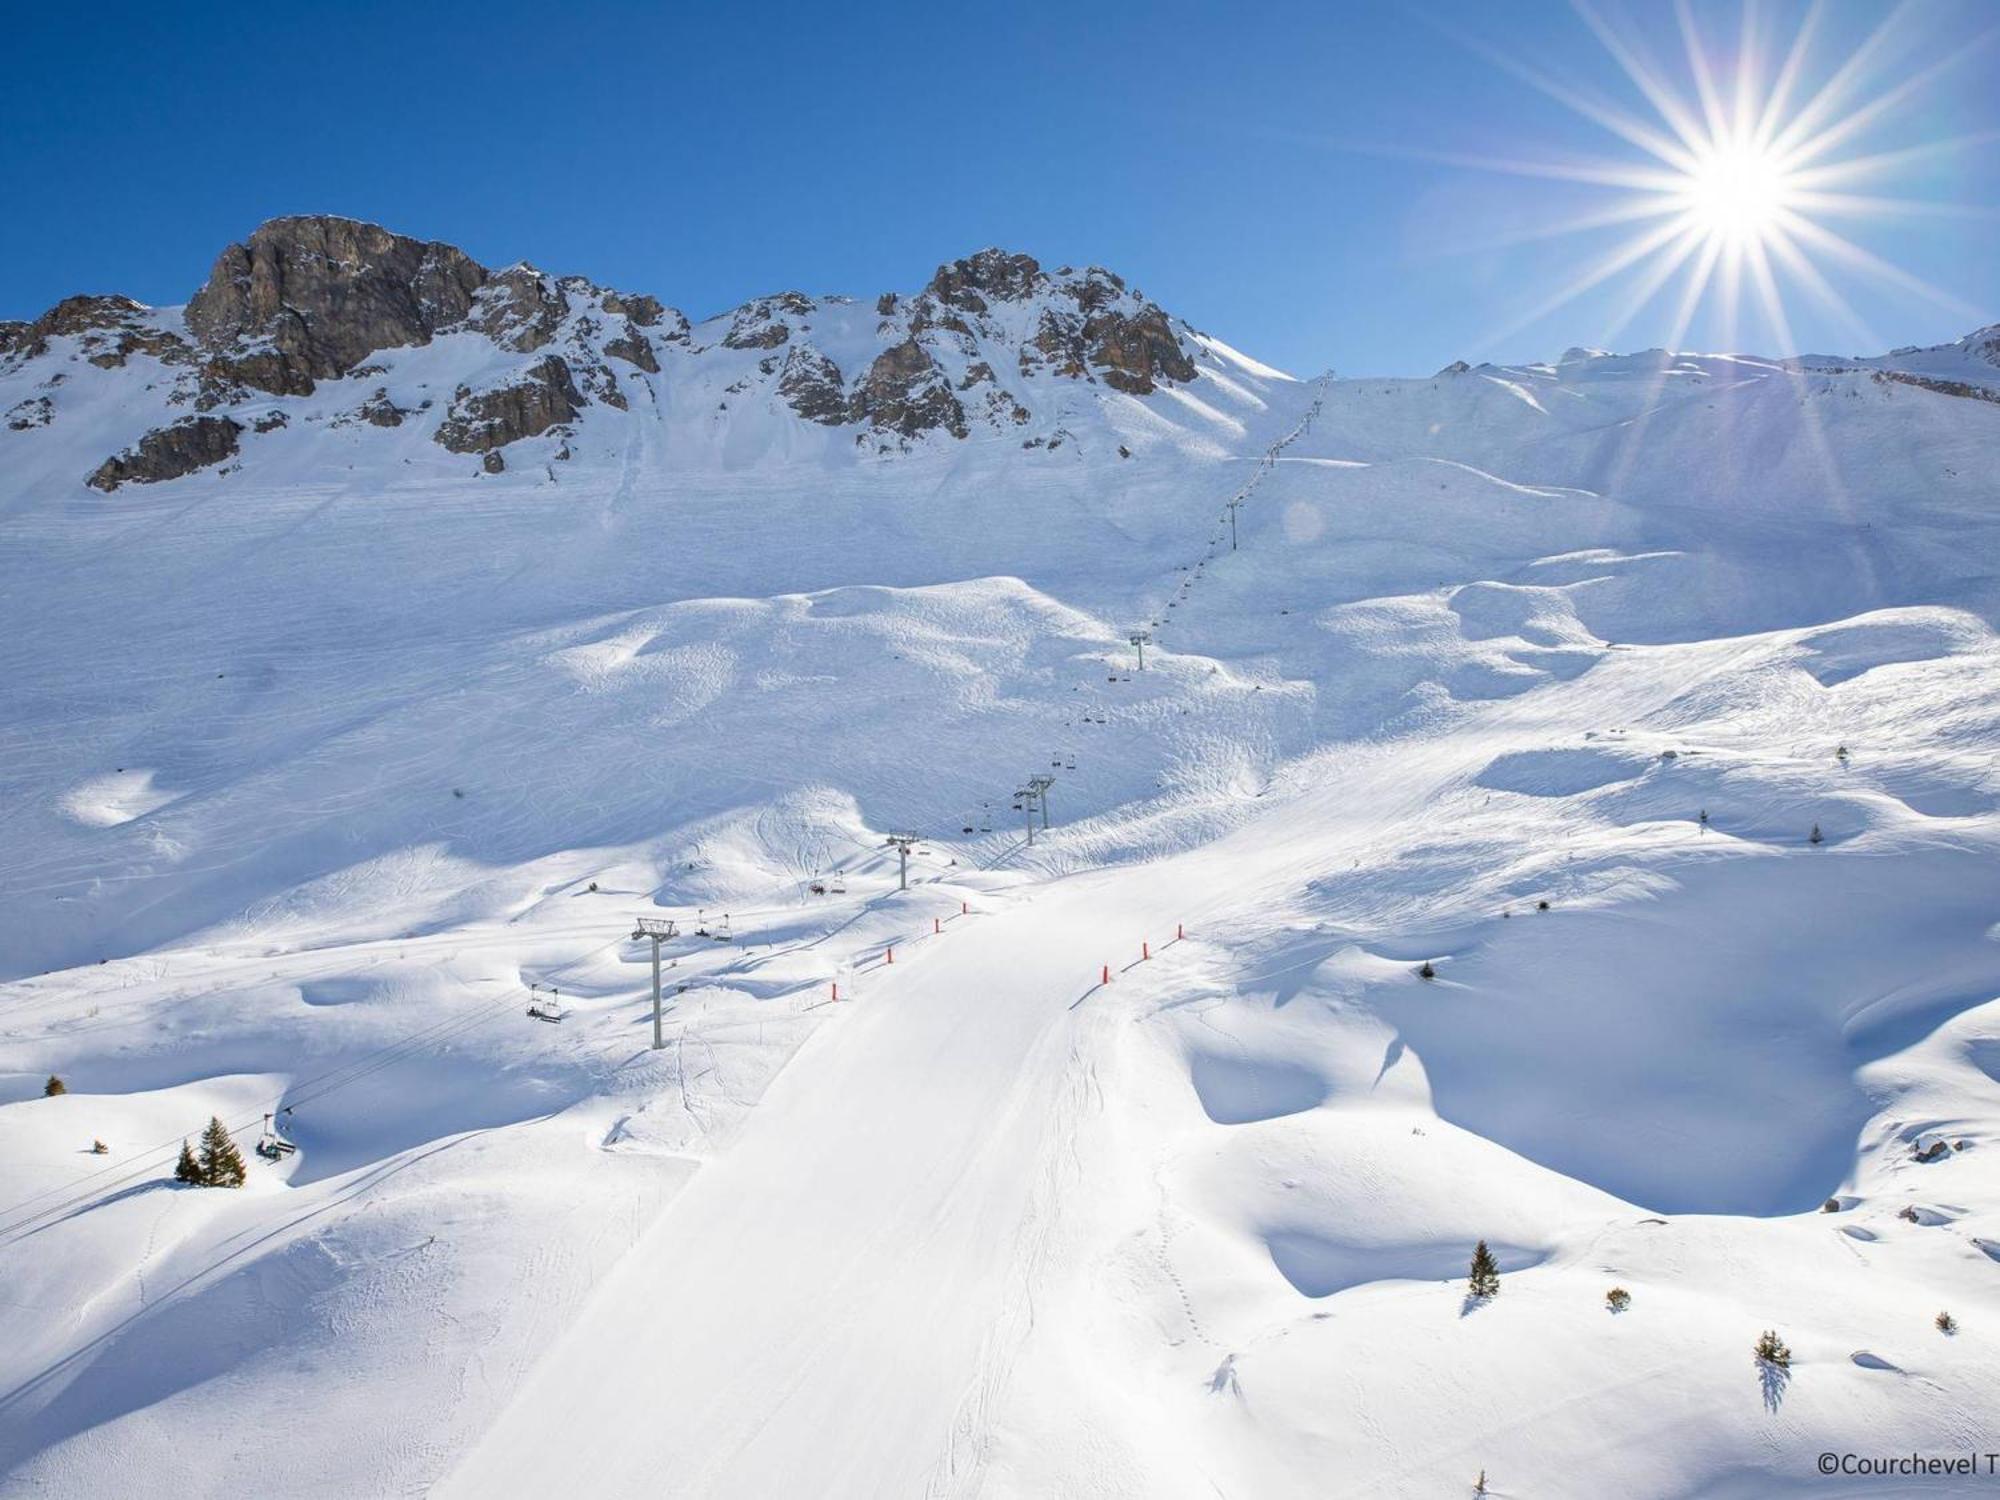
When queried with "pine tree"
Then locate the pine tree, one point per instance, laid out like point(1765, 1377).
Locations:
point(187, 1169)
point(1771, 1350)
point(221, 1163)
point(1946, 1323)
point(53, 1087)
point(1817, 836)
point(1427, 971)
point(1485, 1280)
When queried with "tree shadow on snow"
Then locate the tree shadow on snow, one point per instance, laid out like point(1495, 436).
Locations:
point(1773, 1379)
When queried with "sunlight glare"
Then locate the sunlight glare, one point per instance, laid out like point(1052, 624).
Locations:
point(1737, 194)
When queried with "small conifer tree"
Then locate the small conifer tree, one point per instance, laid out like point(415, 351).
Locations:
point(1618, 1299)
point(221, 1163)
point(1427, 971)
point(1771, 1350)
point(1946, 1323)
point(187, 1169)
point(1485, 1279)
point(53, 1087)
point(1817, 837)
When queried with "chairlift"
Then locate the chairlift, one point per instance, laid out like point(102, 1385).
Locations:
point(701, 924)
point(838, 885)
point(724, 935)
point(545, 1003)
point(272, 1146)
point(1070, 764)
point(818, 887)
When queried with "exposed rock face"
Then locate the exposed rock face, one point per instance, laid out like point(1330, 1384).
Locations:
point(905, 392)
point(170, 452)
point(1134, 349)
point(36, 411)
point(322, 294)
point(634, 348)
point(813, 385)
point(108, 330)
point(1960, 388)
point(643, 310)
point(379, 410)
point(761, 325)
point(480, 423)
point(991, 275)
point(519, 309)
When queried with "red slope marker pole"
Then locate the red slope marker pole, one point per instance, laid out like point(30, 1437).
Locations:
point(1145, 950)
point(1107, 975)
point(890, 956)
point(1178, 933)
point(836, 989)
point(935, 928)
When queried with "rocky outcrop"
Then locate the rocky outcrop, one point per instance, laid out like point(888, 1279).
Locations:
point(761, 325)
point(545, 397)
point(379, 411)
point(311, 297)
point(634, 348)
point(35, 411)
point(108, 331)
point(906, 393)
point(972, 284)
point(1135, 350)
point(170, 452)
point(1961, 388)
point(519, 309)
point(812, 385)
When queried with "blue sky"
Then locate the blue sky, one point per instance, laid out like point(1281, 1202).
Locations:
point(1272, 173)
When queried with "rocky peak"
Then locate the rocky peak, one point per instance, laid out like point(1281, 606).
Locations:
point(311, 297)
point(987, 276)
point(108, 329)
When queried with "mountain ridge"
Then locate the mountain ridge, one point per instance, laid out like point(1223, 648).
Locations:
point(307, 300)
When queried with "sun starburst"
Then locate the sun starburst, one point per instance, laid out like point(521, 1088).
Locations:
point(1740, 167)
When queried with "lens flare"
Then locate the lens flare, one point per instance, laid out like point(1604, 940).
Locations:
point(1736, 170)
point(1737, 194)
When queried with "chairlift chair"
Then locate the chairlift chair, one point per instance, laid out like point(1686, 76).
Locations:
point(838, 885)
point(545, 1003)
point(271, 1145)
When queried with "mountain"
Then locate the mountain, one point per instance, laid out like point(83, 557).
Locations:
point(330, 323)
point(1556, 808)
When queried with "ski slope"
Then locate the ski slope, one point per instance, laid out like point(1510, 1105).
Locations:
point(313, 769)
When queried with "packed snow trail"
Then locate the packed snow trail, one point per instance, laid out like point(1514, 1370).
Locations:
point(810, 1314)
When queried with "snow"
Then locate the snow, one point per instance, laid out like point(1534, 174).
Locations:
point(312, 767)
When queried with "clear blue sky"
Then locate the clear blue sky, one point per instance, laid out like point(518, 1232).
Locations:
point(1269, 172)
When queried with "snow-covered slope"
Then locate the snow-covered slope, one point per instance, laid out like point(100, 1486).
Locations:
point(1576, 790)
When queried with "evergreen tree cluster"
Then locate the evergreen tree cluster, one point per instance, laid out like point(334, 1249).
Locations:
point(218, 1164)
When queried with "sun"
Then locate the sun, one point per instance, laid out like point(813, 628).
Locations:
point(1733, 175)
point(1737, 195)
